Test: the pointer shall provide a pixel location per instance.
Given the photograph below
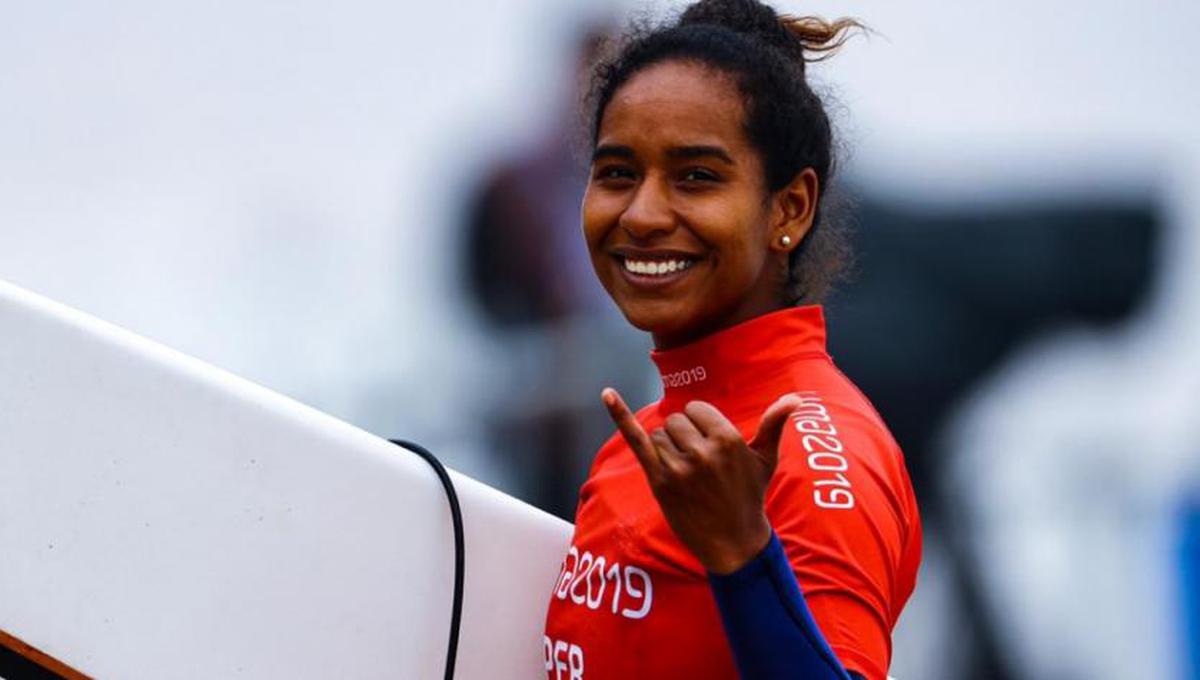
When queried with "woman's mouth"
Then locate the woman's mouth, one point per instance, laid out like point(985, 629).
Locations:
point(655, 272)
point(656, 267)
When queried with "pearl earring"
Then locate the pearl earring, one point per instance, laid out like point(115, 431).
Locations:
point(785, 240)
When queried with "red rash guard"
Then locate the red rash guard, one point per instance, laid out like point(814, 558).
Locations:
point(632, 602)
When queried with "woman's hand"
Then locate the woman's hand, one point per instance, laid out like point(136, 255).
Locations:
point(709, 482)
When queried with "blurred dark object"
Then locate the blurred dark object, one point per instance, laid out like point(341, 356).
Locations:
point(524, 256)
point(953, 292)
point(526, 263)
point(941, 297)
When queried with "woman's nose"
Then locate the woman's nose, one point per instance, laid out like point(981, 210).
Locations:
point(649, 212)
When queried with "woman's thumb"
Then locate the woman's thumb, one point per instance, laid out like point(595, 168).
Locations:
point(770, 428)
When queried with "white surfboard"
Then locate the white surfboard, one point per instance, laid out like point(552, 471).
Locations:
point(160, 518)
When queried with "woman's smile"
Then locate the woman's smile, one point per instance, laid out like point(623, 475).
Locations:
point(652, 270)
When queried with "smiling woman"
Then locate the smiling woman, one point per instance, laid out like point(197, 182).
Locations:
point(758, 520)
point(673, 148)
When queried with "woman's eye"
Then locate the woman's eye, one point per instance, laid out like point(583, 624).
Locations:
point(700, 175)
point(613, 172)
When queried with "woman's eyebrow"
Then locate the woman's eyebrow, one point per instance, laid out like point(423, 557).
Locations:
point(701, 151)
point(612, 151)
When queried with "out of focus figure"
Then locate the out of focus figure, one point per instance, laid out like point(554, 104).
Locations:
point(561, 340)
point(1075, 471)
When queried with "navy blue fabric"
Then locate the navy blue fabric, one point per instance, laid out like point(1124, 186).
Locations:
point(768, 625)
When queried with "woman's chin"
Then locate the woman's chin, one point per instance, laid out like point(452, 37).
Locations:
point(658, 318)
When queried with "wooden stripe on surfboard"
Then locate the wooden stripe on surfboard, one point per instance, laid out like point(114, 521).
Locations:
point(39, 658)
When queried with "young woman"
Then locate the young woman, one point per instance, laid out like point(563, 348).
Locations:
point(758, 520)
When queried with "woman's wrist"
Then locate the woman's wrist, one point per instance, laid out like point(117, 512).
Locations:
point(728, 556)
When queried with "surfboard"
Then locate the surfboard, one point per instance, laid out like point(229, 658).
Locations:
point(162, 518)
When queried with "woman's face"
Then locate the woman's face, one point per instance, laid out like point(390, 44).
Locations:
point(681, 230)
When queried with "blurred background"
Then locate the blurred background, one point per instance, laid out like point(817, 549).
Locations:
point(373, 208)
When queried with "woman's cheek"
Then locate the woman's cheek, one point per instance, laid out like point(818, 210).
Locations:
point(599, 216)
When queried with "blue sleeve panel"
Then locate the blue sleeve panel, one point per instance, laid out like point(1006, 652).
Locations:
point(768, 625)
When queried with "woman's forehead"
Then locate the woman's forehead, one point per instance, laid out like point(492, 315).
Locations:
point(684, 102)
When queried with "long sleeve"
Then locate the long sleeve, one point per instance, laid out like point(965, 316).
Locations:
point(768, 625)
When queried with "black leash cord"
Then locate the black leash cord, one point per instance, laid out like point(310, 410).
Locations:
point(456, 519)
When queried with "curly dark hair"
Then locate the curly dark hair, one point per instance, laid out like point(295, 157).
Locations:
point(786, 122)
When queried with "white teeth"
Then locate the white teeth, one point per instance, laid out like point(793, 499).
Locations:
point(656, 267)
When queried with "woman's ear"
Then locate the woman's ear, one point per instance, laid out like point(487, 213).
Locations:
point(795, 208)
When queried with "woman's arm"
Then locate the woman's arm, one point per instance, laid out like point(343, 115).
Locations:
point(768, 625)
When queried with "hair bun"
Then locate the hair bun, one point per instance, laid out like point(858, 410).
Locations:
point(796, 36)
point(740, 16)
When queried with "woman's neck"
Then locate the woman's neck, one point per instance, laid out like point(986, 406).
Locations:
point(673, 339)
